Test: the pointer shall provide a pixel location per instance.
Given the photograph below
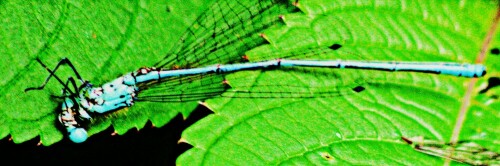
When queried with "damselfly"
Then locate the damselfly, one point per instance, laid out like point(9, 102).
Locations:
point(211, 48)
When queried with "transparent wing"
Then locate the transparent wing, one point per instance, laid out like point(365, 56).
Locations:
point(224, 32)
point(222, 35)
point(287, 83)
point(184, 88)
point(295, 82)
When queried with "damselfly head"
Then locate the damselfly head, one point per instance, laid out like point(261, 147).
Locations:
point(73, 115)
point(73, 118)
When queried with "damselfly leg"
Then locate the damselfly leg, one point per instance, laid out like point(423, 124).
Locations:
point(52, 74)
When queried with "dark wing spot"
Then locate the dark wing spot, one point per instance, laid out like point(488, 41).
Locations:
point(358, 89)
point(495, 51)
point(335, 46)
point(492, 83)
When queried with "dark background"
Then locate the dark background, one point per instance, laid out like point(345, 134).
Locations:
point(148, 146)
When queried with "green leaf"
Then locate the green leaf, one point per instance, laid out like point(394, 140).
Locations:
point(354, 128)
point(108, 39)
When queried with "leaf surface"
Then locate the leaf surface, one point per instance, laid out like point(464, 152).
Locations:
point(362, 128)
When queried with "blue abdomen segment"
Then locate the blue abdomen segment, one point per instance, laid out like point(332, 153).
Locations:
point(467, 70)
point(454, 69)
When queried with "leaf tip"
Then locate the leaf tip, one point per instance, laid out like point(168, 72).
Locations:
point(184, 117)
point(226, 83)
point(204, 104)
point(245, 58)
point(182, 140)
point(264, 36)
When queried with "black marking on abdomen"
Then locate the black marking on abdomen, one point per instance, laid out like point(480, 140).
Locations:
point(492, 83)
point(393, 69)
point(158, 72)
point(135, 79)
point(421, 71)
point(217, 70)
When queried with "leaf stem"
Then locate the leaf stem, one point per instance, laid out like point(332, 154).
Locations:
point(466, 100)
